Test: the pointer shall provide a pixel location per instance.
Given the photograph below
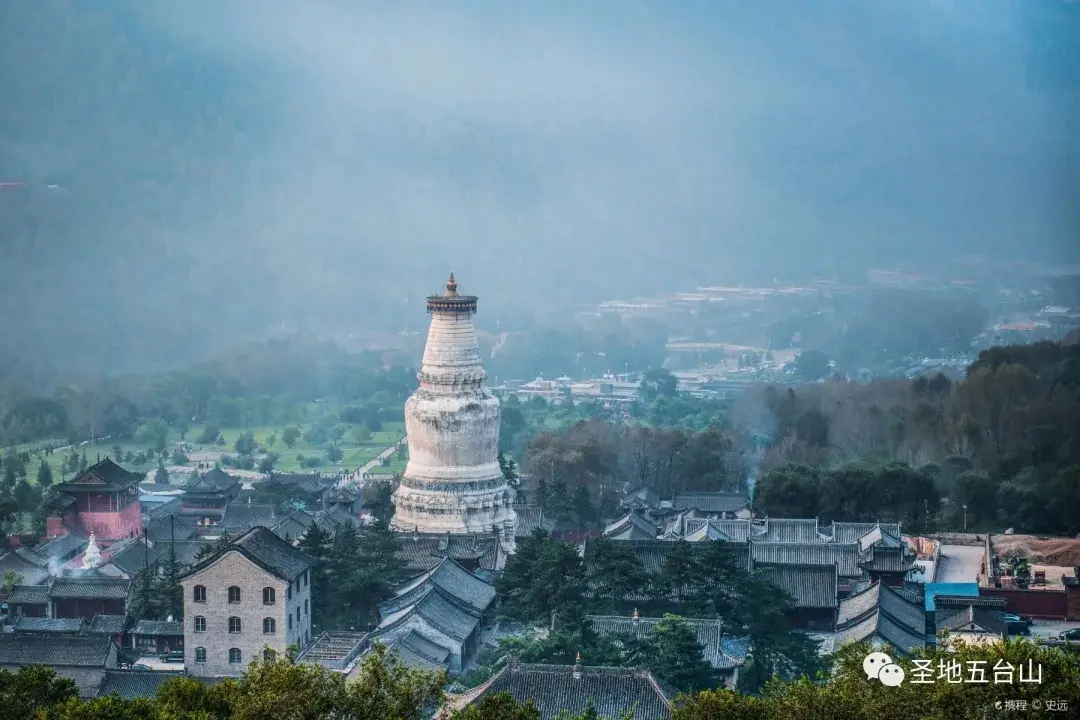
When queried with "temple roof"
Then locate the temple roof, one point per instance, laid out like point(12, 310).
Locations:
point(880, 613)
point(530, 518)
point(438, 608)
point(811, 586)
point(106, 475)
point(711, 502)
point(557, 689)
point(791, 530)
point(450, 577)
point(61, 626)
point(28, 595)
point(802, 553)
point(851, 532)
point(130, 685)
point(89, 586)
point(158, 627)
point(631, 527)
point(415, 650)
point(263, 548)
point(107, 624)
point(55, 650)
point(215, 481)
point(423, 551)
point(29, 573)
point(970, 618)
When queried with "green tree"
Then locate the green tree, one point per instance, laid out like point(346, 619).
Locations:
point(811, 365)
point(334, 454)
point(542, 577)
point(29, 690)
point(153, 432)
point(672, 652)
point(290, 435)
point(315, 542)
point(657, 383)
point(44, 474)
point(615, 576)
point(161, 475)
point(245, 444)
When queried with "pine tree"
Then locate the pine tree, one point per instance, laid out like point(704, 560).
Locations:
point(44, 474)
point(143, 601)
point(676, 656)
point(161, 476)
point(316, 544)
point(168, 593)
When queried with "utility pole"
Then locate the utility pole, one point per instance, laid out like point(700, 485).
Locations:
point(965, 517)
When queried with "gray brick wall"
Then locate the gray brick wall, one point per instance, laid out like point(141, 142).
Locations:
point(234, 569)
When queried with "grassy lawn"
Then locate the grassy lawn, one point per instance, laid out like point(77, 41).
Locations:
point(355, 453)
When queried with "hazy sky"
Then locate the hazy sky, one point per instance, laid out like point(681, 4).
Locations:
point(235, 163)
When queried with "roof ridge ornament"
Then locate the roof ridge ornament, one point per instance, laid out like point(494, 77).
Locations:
point(451, 286)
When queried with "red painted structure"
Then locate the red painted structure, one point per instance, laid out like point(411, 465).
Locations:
point(103, 500)
point(1042, 604)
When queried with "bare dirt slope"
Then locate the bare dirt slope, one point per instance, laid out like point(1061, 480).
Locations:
point(1063, 552)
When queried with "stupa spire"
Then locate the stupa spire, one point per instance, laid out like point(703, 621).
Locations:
point(92, 556)
point(453, 482)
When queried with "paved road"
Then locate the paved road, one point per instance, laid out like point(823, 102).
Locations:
point(356, 479)
point(960, 563)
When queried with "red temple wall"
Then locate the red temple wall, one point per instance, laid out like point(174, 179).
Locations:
point(111, 526)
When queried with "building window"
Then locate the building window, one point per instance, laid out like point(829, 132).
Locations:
point(200, 654)
point(289, 594)
point(234, 656)
point(200, 623)
point(234, 594)
point(269, 626)
point(199, 594)
point(305, 606)
point(290, 621)
point(234, 624)
point(269, 656)
point(297, 614)
point(269, 596)
point(305, 578)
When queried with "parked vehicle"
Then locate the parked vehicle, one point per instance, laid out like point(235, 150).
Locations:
point(1017, 627)
point(174, 656)
point(139, 667)
point(1073, 635)
point(1009, 617)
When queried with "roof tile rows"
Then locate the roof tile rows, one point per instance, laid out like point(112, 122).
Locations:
point(164, 628)
point(557, 689)
point(711, 502)
point(810, 586)
point(710, 635)
point(56, 650)
point(265, 549)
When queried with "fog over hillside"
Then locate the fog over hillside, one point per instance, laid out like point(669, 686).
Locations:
point(194, 172)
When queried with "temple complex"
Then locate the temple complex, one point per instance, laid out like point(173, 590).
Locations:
point(103, 499)
point(453, 483)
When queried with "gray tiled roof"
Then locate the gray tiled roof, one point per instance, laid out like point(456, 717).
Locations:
point(168, 527)
point(888, 559)
point(265, 549)
point(791, 530)
point(960, 619)
point(24, 624)
point(107, 624)
point(133, 556)
point(675, 526)
point(29, 573)
point(902, 609)
point(29, 595)
point(529, 519)
point(240, 516)
point(292, 526)
point(851, 532)
point(631, 527)
point(110, 473)
point(858, 605)
point(845, 555)
point(441, 611)
point(336, 515)
point(130, 685)
point(612, 692)
point(216, 480)
point(417, 651)
point(711, 502)
point(709, 531)
point(334, 649)
point(653, 553)
point(811, 586)
point(709, 634)
point(158, 627)
point(737, 530)
point(59, 650)
point(452, 578)
point(423, 551)
point(878, 626)
point(32, 556)
point(97, 588)
point(62, 546)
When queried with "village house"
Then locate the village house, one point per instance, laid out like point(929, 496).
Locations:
point(205, 498)
point(251, 599)
point(157, 636)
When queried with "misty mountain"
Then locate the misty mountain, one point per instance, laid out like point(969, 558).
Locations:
point(183, 176)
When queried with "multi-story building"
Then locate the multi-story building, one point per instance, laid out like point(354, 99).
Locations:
point(250, 600)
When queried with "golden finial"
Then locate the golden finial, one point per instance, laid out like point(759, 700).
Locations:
point(635, 614)
point(451, 286)
point(577, 660)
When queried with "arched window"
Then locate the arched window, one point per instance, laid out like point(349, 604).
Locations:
point(269, 626)
point(305, 606)
point(200, 623)
point(269, 596)
point(199, 594)
point(200, 654)
point(234, 594)
point(234, 624)
point(269, 656)
point(290, 621)
point(234, 656)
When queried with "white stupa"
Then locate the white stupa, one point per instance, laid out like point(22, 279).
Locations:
point(92, 556)
point(453, 483)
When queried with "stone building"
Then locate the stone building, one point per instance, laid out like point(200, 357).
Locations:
point(252, 599)
point(453, 482)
